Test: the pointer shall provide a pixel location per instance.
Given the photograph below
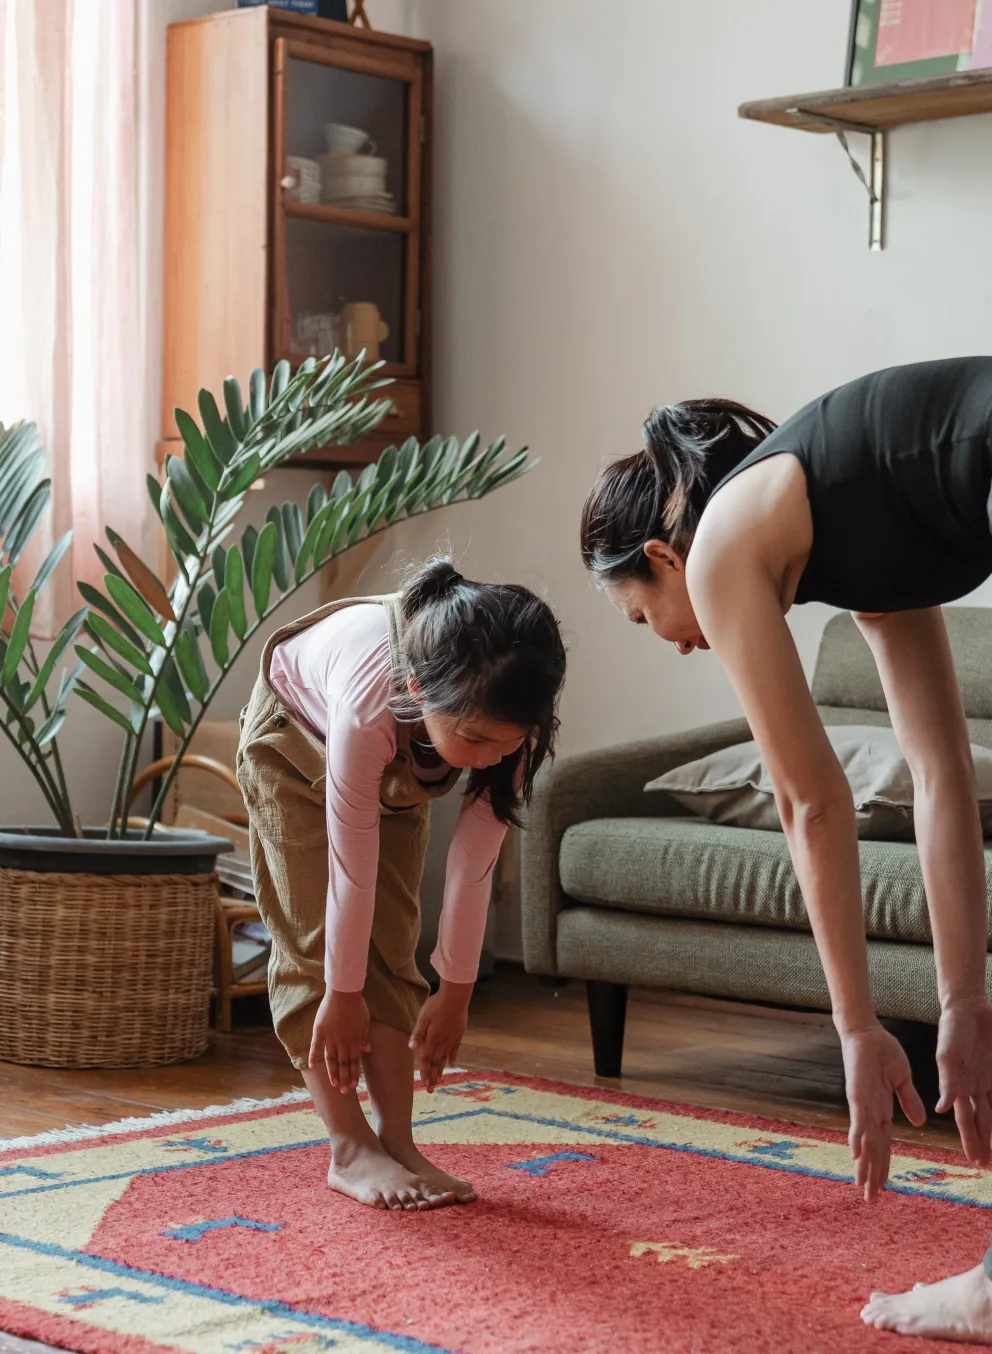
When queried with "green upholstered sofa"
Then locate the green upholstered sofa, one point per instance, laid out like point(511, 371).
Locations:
point(622, 887)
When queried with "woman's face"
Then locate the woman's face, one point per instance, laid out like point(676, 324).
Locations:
point(661, 601)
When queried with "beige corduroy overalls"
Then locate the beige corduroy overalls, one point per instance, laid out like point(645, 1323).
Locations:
point(282, 772)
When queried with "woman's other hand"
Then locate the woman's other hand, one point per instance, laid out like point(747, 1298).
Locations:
point(964, 1064)
point(875, 1069)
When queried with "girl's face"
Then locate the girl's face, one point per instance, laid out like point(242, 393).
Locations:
point(473, 742)
point(662, 601)
point(470, 742)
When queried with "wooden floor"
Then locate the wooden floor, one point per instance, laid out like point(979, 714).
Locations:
point(717, 1054)
point(720, 1055)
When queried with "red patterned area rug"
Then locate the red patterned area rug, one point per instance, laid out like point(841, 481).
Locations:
point(605, 1222)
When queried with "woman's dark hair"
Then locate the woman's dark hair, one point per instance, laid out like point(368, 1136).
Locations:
point(660, 492)
point(492, 649)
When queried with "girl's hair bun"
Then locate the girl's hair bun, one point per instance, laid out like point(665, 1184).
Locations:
point(431, 581)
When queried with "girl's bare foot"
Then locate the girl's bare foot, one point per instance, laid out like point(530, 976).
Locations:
point(954, 1309)
point(408, 1155)
point(368, 1174)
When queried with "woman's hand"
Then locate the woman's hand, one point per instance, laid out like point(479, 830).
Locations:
point(964, 1063)
point(875, 1068)
point(341, 1034)
point(439, 1029)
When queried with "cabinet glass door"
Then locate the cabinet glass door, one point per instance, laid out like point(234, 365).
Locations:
point(346, 207)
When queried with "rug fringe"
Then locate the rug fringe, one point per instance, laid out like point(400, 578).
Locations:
point(163, 1117)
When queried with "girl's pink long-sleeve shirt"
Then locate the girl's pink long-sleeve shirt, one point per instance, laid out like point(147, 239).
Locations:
point(336, 677)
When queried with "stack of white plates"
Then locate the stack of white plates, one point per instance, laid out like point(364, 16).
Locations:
point(356, 181)
point(381, 202)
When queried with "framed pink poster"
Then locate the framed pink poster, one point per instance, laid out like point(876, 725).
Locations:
point(908, 39)
point(918, 30)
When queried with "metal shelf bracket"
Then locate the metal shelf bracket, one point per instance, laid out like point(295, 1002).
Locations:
point(874, 180)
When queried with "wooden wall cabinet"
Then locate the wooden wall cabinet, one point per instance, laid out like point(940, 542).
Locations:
point(252, 271)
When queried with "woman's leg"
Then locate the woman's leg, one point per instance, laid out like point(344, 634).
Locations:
point(360, 1166)
point(389, 1077)
point(958, 1309)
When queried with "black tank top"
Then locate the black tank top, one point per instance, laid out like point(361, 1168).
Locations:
point(898, 470)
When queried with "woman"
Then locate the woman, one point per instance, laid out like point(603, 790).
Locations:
point(874, 498)
point(363, 712)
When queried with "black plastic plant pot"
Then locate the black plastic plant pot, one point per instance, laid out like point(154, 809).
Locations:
point(44, 851)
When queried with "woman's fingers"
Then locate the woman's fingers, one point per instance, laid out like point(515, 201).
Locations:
point(964, 1117)
point(912, 1106)
point(871, 1148)
point(877, 1164)
point(983, 1120)
point(886, 1159)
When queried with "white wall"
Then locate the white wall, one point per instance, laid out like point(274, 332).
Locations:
point(610, 235)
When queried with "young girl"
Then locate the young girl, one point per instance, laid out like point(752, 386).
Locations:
point(363, 713)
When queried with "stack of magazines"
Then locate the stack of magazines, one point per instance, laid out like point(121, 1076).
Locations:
point(251, 941)
point(251, 946)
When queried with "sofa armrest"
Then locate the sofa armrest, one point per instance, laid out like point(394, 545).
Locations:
point(606, 783)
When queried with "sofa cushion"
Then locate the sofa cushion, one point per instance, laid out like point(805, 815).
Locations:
point(688, 867)
point(732, 785)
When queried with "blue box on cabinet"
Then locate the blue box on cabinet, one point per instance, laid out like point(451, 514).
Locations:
point(294, 6)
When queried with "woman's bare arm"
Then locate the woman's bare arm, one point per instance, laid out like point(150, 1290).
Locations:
point(737, 598)
point(913, 657)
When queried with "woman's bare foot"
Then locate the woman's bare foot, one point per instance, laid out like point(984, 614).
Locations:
point(371, 1176)
point(407, 1154)
point(954, 1309)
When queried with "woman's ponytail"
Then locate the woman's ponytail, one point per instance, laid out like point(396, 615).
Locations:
point(660, 493)
point(692, 446)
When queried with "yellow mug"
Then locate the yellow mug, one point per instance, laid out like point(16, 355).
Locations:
point(363, 327)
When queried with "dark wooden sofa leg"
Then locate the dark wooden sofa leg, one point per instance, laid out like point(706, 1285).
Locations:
point(607, 1017)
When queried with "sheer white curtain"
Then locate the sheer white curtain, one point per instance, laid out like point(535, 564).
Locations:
point(71, 346)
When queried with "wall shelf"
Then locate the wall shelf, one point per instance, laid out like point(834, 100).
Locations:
point(873, 110)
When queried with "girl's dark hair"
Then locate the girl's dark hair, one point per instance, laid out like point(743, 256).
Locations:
point(660, 492)
point(484, 648)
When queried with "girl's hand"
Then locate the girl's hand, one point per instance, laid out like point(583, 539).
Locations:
point(341, 1034)
point(438, 1033)
point(875, 1067)
point(964, 1062)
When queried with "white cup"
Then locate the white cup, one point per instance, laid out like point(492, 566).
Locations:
point(344, 140)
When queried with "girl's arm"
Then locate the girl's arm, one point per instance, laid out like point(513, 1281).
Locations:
point(472, 856)
point(738, 605)
point(357, 754)
point(468, 883)
point(913, 657)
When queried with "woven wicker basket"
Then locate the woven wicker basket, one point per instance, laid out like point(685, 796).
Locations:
point(105, 970)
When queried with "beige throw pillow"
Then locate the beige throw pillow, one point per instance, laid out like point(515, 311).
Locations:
point(732, 786)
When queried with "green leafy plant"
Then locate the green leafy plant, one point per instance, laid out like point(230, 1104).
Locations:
point(30, 717)
point(149, 649)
